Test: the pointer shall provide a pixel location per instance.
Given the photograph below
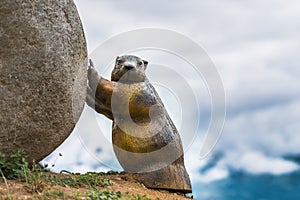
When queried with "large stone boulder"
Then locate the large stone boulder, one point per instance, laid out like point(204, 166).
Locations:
point(43, 61)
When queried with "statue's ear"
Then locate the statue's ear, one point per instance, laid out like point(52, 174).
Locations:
point(117, 62)
point(145, 63)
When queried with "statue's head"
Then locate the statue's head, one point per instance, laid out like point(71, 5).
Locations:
point(129, 69)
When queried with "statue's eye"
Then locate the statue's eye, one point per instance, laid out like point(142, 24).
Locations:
point(119, 61)
point(140, 63)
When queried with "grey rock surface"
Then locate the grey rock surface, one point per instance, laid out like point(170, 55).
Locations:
point(43, 59)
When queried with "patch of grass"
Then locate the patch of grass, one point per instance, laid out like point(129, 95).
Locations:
point(134, 197)
point(93, 179)
point(35, 177)
point(63, 181)
point(12, 166)
point(6, 197)
point(111, 172)
point(57, 194)
point(103, 195)
point(89, 179)
point(90, 195)
point(15, 166)
point(140, 197)
point(54, 194)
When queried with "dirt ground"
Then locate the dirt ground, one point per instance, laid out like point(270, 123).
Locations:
point(14, 189)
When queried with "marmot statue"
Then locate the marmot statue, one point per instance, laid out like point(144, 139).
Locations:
point(145, 140)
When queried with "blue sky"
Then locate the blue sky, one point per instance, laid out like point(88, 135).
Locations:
point(255, 46)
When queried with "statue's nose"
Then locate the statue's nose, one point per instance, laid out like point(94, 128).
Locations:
point(128, 66)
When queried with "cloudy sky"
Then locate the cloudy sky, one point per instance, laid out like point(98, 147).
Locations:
point(255, 47)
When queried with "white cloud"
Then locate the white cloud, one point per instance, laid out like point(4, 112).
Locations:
point(258, 163)
point(211, 175)
point(273, 130)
